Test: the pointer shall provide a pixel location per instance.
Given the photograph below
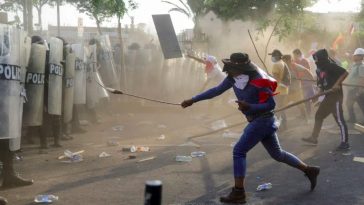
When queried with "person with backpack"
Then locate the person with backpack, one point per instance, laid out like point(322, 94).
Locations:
point(329, 78)
point(282, 74)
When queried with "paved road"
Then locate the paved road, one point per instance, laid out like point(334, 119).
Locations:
point(114, 180)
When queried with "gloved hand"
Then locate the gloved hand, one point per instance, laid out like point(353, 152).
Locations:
point(243, 106)
point(187, 103)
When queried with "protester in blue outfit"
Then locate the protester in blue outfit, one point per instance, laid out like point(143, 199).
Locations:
point(254, 90)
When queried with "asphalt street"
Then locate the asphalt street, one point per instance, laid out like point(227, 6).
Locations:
point(119, 180)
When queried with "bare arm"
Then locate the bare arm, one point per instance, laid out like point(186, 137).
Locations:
point(340, 80)
point(196, 59)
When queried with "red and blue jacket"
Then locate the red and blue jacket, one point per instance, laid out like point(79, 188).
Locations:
point(258, 93)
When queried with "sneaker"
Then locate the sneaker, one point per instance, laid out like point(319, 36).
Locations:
point(310, 140)
point(344, 146)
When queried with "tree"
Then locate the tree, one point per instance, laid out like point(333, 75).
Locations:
point(264, 12)
point(14, 6)
point(97, 9)
point(38, 4)
point(119, 9)
point(183, 8)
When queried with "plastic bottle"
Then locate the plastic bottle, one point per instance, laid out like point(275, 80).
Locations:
point(180, 158)
point(198, 154)
point(45, 198)
point(68, 153)
point(264, 186)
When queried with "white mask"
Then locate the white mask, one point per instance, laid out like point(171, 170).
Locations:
point(274, 59)
point(241, 81)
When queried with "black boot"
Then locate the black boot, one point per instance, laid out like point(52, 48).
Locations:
point(236, 196)
point(3, 201)
point(10, 178)
point(312, 173)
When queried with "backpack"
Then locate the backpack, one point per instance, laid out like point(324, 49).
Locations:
point(287, 78)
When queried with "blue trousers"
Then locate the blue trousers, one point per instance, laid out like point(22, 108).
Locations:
point(261, 130)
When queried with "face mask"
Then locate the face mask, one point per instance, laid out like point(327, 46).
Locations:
point(241, 81)
point(274, 59)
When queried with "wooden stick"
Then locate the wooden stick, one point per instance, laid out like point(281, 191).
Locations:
point(275, 111)
point(256, 50)
point(270, 37)
point(359, 127)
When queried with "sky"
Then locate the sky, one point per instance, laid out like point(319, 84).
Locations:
point(148, 7)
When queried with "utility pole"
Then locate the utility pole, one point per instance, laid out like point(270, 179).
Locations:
point(25, 16)
point(30, 16)
point(58, 20)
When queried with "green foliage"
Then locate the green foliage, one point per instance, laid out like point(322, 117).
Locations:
point(100, 10)
point(12, 5)
point(97, 9)
point(181, 8)
point(265, 12)
point(119, 8)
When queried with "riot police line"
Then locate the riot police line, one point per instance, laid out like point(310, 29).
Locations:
point(43, 84)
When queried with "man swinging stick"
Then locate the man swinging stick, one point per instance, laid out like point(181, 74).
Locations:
point(254, 90)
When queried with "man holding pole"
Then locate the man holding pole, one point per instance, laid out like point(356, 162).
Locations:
point(329, 77)
point(254, 90)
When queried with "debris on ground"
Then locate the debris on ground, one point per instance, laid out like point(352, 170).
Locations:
point(18, 157)
point(347, 153)
point(104, 154)
point(198, 154)
point(146, 159)
point(219, 124)
point(72, 156)
point(358, 159)
point(135, 149)
point(181, 158)
point(118, 128)
point(45, 199)
point(161, 137)
point(264, 186)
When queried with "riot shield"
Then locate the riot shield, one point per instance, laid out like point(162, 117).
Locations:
point(68, 87)
point(80, 75)
point(55, 73)
point(105, 59)
point(92, 88)
point(34, 85)
point(11, 100)
point(25, 45)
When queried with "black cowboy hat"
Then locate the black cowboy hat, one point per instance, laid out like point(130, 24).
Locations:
point(276, 52)
point(239, 61)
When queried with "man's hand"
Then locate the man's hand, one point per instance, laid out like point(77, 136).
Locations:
point(187, 103)
point(243, 106)
point(336, 88)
